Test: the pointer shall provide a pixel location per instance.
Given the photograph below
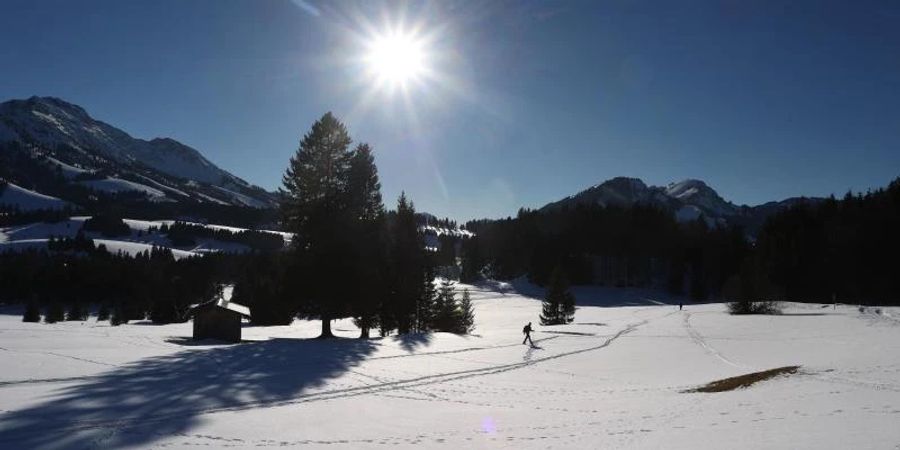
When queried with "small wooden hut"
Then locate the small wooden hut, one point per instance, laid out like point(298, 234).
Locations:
point(219, 319)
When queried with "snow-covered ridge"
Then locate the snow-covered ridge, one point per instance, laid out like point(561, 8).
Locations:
point(69, 131)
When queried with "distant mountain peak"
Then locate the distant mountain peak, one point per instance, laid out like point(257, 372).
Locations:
point(625, 183)
point(697, 193)
point(688, 200)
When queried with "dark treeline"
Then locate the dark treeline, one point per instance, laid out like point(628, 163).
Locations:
point(140, 209)
point(73, 275)
point(429, 220)
point(841, 250)
point(185, 235)
point(638, 246)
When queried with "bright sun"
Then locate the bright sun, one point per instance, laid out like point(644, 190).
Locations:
point(396, 58)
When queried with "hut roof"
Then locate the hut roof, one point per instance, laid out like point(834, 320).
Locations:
point(240, 309)
point(223, 301)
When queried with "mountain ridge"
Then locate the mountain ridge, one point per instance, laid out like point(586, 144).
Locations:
point(688, 200)
point(66, 134)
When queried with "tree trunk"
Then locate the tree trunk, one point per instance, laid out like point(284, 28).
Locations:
point(326, 326)
point(364, 333)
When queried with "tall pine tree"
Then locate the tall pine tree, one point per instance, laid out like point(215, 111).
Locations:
point(367, 217)
point(407, 266)
point(314, 207)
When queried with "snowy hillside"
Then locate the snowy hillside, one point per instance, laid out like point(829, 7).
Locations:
point(115, 185)
point(77, 144)
point(616, 378)
point(26, 200)
point(140, 239)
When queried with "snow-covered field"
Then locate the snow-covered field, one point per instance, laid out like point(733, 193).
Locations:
point(613, 379)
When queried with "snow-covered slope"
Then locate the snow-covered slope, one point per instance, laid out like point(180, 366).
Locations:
point(25, 200)
point(68, 171)
point(115, 185)
point(49, 120)
point(38, 235)
point(696, 193)
point(615, 378)
point(53, 125)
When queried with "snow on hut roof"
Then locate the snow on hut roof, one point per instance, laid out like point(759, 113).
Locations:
point(240, 309)
point(225, 302)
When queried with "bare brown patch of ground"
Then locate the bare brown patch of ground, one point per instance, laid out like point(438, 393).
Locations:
point(742, 381)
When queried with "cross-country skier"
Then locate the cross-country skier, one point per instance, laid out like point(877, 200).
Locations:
point(527, 331)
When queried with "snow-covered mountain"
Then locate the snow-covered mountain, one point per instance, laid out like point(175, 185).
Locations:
point(66, 135)
point(688, 200)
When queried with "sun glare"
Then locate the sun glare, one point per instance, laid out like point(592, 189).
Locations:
point(396, 58)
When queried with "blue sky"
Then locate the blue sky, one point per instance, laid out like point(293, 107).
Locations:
point(530, 102)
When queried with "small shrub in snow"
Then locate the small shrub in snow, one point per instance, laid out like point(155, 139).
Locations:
point(103, 313)
point(559, 304)
point(32, 312)
point(77, 312)
point(55, 313)
point(446, 312)
point(466, 314)
point(118, 317)
point(751, 307)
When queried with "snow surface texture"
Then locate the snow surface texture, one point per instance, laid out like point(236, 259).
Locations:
point(27, 200)
point(612, 379)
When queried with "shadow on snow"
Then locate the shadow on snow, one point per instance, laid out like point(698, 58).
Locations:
point(156, 397)
point(412, 341)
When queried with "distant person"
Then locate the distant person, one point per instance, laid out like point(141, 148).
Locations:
point(680, 305)
point(527, 331)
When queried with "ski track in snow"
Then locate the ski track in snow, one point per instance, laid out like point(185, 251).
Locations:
point(376, 388)
point(613, 412)
point(462, 350)
point(700, 340)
